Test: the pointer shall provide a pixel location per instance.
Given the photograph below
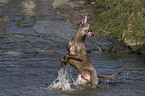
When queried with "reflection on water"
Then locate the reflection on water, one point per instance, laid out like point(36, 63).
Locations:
point(2, 2)
point(57, 3)
point(66, 3)
point(28, 7)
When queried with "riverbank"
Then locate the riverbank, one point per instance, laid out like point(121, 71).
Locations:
point(123, 20)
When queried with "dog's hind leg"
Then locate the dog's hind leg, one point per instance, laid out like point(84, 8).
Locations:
point(81, 80)
point(94, 79)
point(90, 76)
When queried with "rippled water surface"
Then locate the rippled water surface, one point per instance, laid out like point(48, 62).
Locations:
point(33, 38)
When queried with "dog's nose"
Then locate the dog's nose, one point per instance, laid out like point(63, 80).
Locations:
point(90, 34)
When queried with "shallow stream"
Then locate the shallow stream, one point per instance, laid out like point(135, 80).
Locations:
point(33, 38)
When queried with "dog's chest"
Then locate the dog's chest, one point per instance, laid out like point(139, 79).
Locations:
point(77, 48)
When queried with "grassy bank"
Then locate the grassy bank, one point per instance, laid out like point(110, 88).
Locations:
point(125, 19)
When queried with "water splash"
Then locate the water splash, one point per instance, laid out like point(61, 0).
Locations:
point(61, 82)
point(65, 81)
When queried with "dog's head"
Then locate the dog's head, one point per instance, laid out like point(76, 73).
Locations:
point(85, 26)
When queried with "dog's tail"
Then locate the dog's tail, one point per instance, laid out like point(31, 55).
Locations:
point(109, 77)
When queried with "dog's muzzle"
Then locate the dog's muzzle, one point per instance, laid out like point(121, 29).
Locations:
point(90, 34)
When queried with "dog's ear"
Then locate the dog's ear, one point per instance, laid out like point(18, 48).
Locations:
point(84, 21)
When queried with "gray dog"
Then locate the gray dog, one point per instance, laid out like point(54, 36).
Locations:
point(77, 56)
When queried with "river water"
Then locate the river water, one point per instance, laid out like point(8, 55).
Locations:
point(33, 38)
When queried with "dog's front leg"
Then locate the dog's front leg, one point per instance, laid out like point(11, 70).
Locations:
point(64, 60)
point(78, 57)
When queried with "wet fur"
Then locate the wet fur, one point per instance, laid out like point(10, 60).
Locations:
point(77, 57)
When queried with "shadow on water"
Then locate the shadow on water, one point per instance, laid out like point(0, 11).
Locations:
point(33, 37)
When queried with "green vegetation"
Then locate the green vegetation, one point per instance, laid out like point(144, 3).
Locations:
point(125, 19)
